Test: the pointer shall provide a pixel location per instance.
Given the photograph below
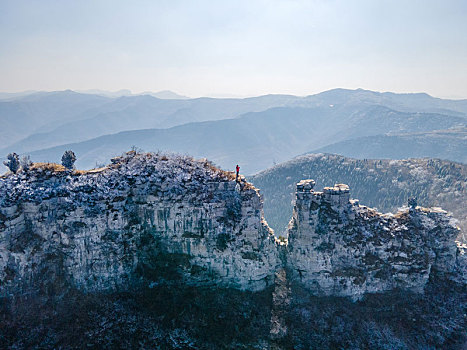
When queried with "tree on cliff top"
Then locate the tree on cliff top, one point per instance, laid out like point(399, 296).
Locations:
point(12, 162)
point(26, 163)
point(68, 159)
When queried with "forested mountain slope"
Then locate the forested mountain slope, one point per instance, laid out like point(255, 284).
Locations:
point(384, 184)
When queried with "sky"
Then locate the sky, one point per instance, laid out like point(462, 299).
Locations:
point(235, 48)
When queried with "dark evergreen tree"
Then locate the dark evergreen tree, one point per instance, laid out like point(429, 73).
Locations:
point(12, 162)
point(68, 160)
point(412, 202)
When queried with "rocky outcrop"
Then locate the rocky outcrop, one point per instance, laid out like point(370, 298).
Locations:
point(151, 219)
point(144, 219)
point(338, 247)
point(115, 252)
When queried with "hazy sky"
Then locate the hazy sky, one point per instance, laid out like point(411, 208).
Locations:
point(235, 47)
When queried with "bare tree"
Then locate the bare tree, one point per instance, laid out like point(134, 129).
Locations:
point(26, 163)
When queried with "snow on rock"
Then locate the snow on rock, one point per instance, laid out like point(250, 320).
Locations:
point(145, 218)
point(155, 219)
point(338, 247)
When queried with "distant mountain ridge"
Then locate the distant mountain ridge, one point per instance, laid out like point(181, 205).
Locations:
point(26, 115)
point(132, 113)
point(195, 109)
point(15, 95)
point(256, 132)
point(444, 144)
point(409, 102)
point(257, 140)
point(163, 94)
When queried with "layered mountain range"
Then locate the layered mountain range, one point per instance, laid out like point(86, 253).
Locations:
point(254, 132)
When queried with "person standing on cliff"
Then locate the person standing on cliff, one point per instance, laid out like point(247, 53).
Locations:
point(238, 169)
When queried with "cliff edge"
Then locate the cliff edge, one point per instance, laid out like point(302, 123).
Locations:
point(157, 251)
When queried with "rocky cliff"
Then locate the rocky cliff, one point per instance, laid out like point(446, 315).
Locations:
point(338, 247)
point(155, 219)
point(146, 218)
point(190, 244)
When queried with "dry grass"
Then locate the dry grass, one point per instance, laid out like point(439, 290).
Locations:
point(401, 215)
point(48, 166)
point(60, 168)
point(93, 171)
point(231, 176)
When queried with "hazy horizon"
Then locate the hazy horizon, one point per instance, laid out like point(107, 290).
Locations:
point(222, 49)
point(220, 95)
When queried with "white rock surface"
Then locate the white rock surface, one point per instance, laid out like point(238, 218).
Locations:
point(338, 247)
point(150, 219)
point(144, 219)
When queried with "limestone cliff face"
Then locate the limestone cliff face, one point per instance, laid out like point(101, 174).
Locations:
point(144, 219)
point(151, 219)
point(338, 247)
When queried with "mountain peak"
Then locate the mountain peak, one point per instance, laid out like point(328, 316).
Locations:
point(166, 95)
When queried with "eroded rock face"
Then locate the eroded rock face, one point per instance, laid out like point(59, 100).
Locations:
point(145, 219)
point(338, 247)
